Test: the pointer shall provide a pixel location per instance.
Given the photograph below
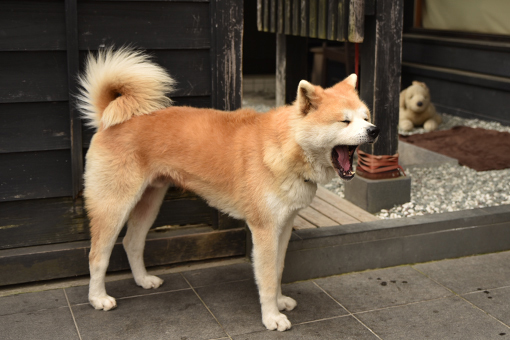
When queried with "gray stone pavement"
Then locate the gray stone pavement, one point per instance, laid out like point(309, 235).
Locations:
point(466, 298)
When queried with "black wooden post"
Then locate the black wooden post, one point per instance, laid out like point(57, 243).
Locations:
point(381, 63)
point(72, 72)
point(226, 53)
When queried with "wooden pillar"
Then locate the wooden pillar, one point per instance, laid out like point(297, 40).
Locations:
point(291, 66)
point(381, 60)
point(381, 63)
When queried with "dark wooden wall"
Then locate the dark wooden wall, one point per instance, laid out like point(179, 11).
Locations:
point(42, 141)
point(468, 74)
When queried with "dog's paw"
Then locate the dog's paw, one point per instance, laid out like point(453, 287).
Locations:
point(105, 302)
point(276, 322)
point(406, 125)
point(149, 282)
point(430, 125)
point(286, 303)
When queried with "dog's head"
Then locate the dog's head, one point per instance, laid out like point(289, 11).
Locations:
point(416, 97)
point(330, 124)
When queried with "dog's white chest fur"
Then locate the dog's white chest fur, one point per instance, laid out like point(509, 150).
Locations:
point(292, 197)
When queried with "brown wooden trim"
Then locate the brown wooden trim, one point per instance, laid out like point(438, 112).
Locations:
point(460, 34)
point(31, 264)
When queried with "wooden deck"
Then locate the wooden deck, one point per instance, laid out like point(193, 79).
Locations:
point(328, 209)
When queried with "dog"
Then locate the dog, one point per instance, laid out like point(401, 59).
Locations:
point(259, 167)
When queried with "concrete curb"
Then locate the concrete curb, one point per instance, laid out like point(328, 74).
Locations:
point(342, 249)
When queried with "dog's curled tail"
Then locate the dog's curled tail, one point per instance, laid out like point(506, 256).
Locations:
point(118, 85)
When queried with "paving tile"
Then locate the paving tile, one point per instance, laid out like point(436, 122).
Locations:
point(470, 273)
point(447, 318)
point(339, 328)
point(237, 306)
point(493, 301)
point(381, 288)
point(52, 324)
point(173, 315)
point(222, 274)
point(127, 288)
point(31, 302)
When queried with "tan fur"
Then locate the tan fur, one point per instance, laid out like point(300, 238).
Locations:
point(411, 114)
point(261, 168)
point(121, 84)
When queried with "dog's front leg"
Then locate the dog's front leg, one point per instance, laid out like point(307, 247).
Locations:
point(265, 263)
point(284, 302)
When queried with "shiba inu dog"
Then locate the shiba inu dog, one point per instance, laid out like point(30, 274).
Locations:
point(262, 168)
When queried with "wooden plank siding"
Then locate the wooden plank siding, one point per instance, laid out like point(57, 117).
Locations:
point(328, 209)
point(339, 20)
point(42, 141)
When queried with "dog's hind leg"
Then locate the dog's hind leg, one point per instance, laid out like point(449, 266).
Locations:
point(284, 302)
point(265, 262)
point(108, 213)
point(141, 219)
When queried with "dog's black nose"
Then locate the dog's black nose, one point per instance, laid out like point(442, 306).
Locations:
point(419, 104)
point(373, 132)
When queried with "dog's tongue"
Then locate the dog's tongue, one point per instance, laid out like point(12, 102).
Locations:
point(343, 157)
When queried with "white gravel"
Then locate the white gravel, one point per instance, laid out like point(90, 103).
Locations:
point(437, 189)
point(449, 187)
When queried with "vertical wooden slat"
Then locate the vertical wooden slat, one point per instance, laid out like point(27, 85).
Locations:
point(280, 17)
point(272, 16)
point(295, 17)
point(332, 13)
point(312, 20)
point(322, 21)
point(343, 17)
point(260, 15)
point(288, 16)
point(418, 13)
point(356, 20)
point(281, 68)
point(265, 21)
point(381, 61)
point(226, 53)
point(72, 72)
point(304, 12)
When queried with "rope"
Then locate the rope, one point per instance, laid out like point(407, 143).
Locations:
point(371, 166)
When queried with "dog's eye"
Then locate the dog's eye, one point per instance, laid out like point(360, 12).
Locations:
point(346, 121)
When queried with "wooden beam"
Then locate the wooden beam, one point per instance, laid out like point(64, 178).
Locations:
point(54, 261)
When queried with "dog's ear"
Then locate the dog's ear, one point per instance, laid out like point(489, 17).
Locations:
point(351, 80)
point(307, 98)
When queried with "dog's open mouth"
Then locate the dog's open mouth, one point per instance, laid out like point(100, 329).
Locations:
point(342, 156)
